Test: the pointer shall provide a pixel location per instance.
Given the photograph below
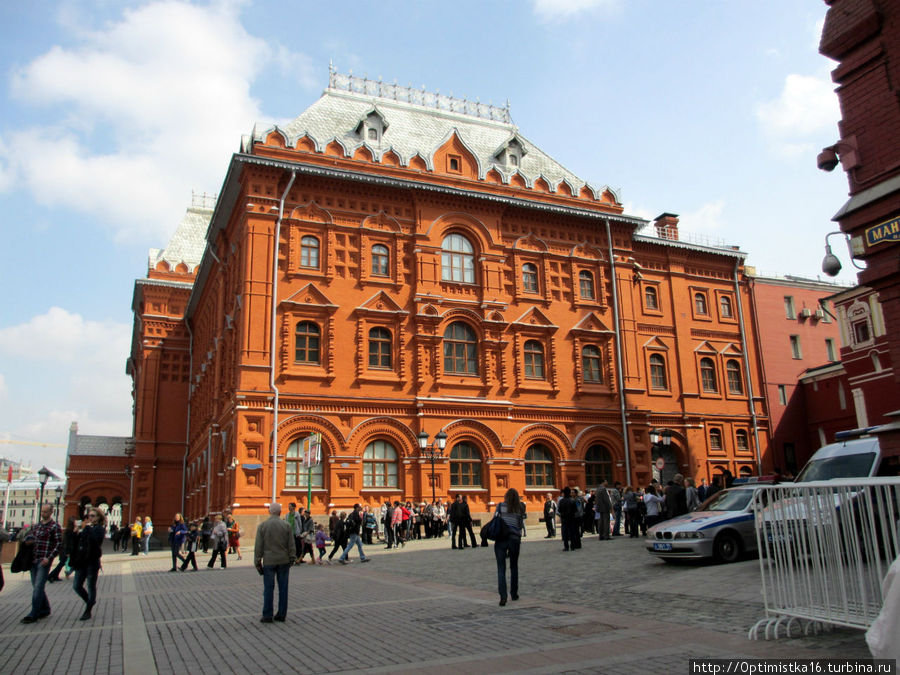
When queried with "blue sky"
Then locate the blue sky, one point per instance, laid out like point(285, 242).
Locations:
point(111, 113)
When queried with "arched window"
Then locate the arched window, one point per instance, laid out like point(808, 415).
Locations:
point(725, 307)
point(534, 360)
point(460, 349)
point(380, 348)
point(700, 306)
point(590, 364)
point(715, 439)
point(529, 278)
point(380, 465)
point(742, 440)
point(465, 466)
point(306, 343)
point(380, 259)
point(309, 252)
point(457, 259)
point(708, 376)
point(651, 299)
point(586, 285)
point(598, 465)
point(538, 466)
point(296, 473)
point(733, 372)
point(745, 472)
point(658, 378)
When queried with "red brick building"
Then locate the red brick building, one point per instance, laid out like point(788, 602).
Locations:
point(796, 331)
point(393, 263)
point(863, 36)
point(862, 390)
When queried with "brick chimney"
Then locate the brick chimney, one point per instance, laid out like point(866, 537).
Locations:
point(667, 226)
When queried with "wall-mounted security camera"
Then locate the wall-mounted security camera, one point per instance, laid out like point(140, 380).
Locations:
point(827, 159)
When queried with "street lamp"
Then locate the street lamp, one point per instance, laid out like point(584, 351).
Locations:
point(59, 492)
point(44, 474)
point(432, 452)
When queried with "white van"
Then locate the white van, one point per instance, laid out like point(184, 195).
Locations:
point(852, 457)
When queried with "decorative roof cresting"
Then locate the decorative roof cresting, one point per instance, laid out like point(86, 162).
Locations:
point(421, 97)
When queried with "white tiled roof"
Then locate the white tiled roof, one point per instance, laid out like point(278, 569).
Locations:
point(418, 123)
point(102, 445)
point(189, 241)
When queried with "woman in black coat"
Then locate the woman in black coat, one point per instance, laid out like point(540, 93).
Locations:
point(85, 559)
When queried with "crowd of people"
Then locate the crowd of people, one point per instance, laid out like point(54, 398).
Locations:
point(606, 512)
point(618, 510)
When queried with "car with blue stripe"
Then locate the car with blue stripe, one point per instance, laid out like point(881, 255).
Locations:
point(722, 527)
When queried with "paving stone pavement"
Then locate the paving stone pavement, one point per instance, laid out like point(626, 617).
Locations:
point(608, 607)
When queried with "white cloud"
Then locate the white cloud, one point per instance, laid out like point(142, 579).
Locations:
point(174, 101)
point(639, 211)
point(62, 337)
point(58, 368)
point(557, 10)
point(706, 219)
point(806, 108)
point(3, 390)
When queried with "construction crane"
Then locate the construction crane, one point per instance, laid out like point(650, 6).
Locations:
point(38, 443)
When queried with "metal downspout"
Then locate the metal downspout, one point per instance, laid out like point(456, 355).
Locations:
point(273, 331)
point(747, 374)
point(620, 369)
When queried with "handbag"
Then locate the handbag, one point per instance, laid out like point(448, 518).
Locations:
point(496, 529)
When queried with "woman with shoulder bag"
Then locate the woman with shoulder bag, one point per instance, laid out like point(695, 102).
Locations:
point(511, 510)
point(85, 559)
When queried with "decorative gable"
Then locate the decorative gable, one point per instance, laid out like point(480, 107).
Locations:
point(381, 302)
point(535, 319)
point(453, 157)
point(705, 348)
point(310, 296)
point(371, 127)
point(591, 323)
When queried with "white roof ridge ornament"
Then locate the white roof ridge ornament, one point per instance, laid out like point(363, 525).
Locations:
point(392, 91)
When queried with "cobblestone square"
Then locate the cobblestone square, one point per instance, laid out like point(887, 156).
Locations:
point(608, 607)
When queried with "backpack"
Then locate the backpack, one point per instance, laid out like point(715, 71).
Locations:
point(579, 507)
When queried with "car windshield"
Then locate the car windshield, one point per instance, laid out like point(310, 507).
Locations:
point(843, 466)
point(727, 500)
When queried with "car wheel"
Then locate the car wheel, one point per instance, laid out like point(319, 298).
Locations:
point(727, 548)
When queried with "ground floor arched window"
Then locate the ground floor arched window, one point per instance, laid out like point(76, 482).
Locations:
point(598, 465)
point(296, 473)
point(380, 465)
point(538, 466)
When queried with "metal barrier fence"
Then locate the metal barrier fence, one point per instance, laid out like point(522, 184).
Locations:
point(825, 548)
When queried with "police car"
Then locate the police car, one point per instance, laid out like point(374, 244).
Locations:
point(722, 527)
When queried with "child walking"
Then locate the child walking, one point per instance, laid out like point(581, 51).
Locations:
point(190, 543)
point(321, 538)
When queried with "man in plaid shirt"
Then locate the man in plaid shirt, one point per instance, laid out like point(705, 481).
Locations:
point(47, 536)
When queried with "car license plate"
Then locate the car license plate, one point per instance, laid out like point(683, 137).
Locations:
point(661, 546)
point(779, 537)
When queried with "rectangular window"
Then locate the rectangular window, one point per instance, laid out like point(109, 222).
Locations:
point(795, 347)
point(826, 311)
point(789, 307)
point(782, 394)
point(830, 350)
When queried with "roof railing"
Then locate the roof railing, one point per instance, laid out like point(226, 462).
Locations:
point(396, 92)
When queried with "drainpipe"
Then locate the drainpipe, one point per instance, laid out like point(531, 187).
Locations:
point(187, 431)
point(274, 333)
point(747, 374)
point(620, 370)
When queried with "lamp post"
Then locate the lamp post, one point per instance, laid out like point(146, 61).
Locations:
point(44, 475)
point(432, 452)
point(59, 492)
point(129, 473)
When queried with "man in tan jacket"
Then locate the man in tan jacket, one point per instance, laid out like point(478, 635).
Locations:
point(273, 555)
